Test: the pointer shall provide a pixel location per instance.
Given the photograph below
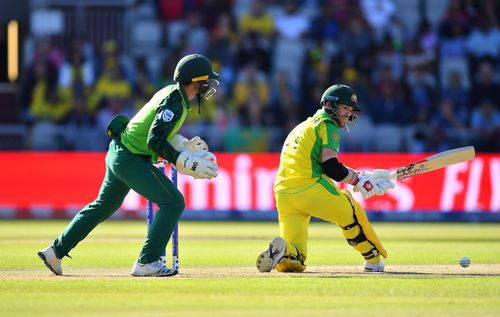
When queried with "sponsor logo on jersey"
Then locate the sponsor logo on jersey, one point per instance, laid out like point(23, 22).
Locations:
point(167, 115)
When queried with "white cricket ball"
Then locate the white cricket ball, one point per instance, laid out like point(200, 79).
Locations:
point(464, 261)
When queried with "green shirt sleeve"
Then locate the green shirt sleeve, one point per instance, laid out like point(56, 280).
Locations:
point(168, 114)
point(330, 135)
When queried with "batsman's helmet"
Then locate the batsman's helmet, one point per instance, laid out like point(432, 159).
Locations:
point(341, 94)
point(193, 68)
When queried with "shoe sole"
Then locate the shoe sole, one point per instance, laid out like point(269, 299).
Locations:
point(44, 259)
point(267, 260)
point(368, 270)
point(172, 274)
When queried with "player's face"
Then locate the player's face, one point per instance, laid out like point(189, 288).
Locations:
point(344, 113)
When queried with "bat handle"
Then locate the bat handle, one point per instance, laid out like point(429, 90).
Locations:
point(393, 175)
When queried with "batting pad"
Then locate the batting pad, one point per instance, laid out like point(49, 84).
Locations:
point(365, 225)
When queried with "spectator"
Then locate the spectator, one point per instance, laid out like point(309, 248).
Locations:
point(110, 54)
point(324, 26)
point(456, 93)
point(49, 107)
point(250, 136)
point(422, 92)
point(76, 73)
point(42, 61)
point(485, 87)
point(253, 50)
point(285, 108)
point(378, 13)
point(355, 39)
point(291, 28)
point(143, 89)
point(427, 37)
point(111, 84)
point(49, 102)
point(387, 106)
point(257, 21)
point(447, 126)
point(389, 57)
point(171, 10)
point(251, 82)
point(453, 29)
point(280, 55)
point(196, 35)
point(483, 43)
point(80, 131)
point(485, 123)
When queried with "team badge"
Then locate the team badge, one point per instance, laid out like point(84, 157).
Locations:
point(335, 137)
point(354, 98)
point(167, 115)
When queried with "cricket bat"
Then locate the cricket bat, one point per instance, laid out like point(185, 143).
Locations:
point(434, 162)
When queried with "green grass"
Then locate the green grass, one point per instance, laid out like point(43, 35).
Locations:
point(422, 279)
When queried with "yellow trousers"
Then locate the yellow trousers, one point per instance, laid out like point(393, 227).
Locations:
point(326, 201)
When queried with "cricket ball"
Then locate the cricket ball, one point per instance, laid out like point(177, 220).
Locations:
point(464, 261)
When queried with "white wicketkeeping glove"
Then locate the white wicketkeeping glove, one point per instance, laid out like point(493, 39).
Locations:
point(178, 142)
point(181, 143)
point(196, 144)
point(196, 166)
point(377, 182)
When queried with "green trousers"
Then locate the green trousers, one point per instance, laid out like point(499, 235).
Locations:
point(125, 171)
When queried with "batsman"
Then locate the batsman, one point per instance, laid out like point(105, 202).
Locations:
point(303, 188)
point(135, 146)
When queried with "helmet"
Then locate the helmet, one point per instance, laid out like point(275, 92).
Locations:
point(341, 94)
point(193, 68)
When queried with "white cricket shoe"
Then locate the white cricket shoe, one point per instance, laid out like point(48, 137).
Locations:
point(157, 269)
point(48, 256)
point(267, 260)
point(374, 267)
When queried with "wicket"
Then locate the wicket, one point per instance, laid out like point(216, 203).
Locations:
point(175, 233)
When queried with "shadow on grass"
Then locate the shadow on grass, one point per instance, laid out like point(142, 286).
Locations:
point(389, 274)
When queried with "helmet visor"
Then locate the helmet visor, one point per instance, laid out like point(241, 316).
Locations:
point(208, 88)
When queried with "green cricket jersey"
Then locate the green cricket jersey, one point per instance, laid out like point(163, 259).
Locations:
point(149, 130)
point(300, 160)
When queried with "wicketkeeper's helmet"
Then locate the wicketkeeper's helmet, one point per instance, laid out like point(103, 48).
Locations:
point(197, 68)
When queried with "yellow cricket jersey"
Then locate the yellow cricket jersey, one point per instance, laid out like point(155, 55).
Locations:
point(300, 160)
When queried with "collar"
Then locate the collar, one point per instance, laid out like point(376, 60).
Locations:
point(184, 96)
point(321, 112)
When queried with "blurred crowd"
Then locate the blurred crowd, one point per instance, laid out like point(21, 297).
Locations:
point(427, 89)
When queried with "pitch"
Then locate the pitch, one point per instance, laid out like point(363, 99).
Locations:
point(218, 278)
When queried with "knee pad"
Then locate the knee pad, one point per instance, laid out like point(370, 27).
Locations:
point(290, 265)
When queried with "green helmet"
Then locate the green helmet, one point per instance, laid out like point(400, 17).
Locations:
point(193, 68)
point(341, 94)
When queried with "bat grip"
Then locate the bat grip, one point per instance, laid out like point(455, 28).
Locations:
point(393, 175)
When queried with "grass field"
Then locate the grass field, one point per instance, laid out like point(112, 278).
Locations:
point(218, 277)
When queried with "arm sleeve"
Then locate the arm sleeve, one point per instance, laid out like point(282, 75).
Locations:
point(334, 169)
point(167, 115)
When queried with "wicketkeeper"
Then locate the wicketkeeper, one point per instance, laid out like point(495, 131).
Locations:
point(135, 147)
point(304, 188)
